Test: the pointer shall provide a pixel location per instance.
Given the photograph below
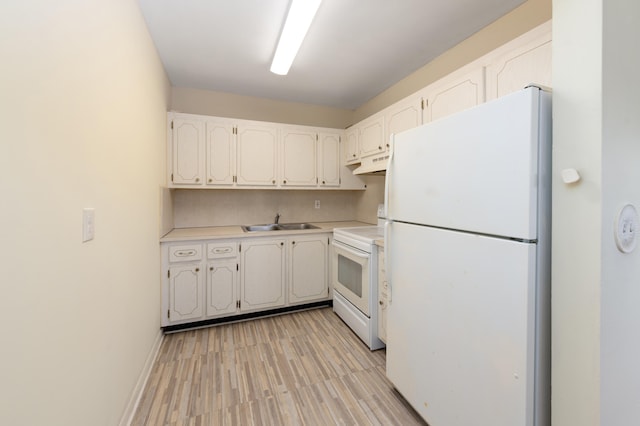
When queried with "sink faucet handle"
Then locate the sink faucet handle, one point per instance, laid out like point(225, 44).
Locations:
point(277, 218)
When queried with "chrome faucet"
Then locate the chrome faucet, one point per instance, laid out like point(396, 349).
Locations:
point(277, 218)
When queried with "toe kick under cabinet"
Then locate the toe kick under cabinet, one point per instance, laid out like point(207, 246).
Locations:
point(209, 279)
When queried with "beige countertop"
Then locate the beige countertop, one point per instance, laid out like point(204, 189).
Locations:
point(220, 232)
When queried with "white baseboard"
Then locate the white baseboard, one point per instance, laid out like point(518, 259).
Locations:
point(136, 394)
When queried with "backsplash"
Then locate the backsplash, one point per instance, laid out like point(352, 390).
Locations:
point(197, 208)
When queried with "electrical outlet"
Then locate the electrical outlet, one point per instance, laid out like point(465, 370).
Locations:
point(88, 224)
point(317, 204)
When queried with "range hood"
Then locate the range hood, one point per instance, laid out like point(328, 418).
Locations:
point(373, 165)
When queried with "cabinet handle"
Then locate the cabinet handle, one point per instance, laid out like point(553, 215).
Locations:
point(222, 250)
point(184, 253)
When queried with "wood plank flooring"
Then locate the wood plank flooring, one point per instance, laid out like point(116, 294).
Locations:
point(304, 368)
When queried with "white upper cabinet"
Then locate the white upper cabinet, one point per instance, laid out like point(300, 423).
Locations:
point(257, 153)
point(351, 147)
point(403, 115)
point(220, 152)
point(329, 159)
point(215, 152)
point(299, 157)
point(454, 93)
point(521, 62)
point(371, 138)
point(188, 161)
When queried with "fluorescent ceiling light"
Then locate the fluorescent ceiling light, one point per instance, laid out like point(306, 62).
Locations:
point(299, 19)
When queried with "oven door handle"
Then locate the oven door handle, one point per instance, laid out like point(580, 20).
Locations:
point(355, 252)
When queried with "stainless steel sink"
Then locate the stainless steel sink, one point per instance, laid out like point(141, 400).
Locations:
point(278, 227)
point(294, 226)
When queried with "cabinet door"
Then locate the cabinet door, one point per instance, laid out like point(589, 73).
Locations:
point(187, 156)
point(222, 284)
point(453, 94)
point(372, 135)
point(257, 150)
point(526, 64)
point(299, 158)
point(262, 278)
point(402, 116)
point(308, 273)
point(220, 153)
point(185, 293)
point(351, 151)
point(328, 159)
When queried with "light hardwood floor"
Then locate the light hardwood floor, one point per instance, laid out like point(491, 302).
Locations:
point(304, 368)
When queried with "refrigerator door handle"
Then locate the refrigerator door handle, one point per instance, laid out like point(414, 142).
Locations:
point(387, 181)
point(387, 257)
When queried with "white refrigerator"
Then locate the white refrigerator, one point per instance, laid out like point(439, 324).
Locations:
point(468, 261)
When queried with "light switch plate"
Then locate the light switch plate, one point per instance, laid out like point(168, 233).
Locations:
point(88, 224)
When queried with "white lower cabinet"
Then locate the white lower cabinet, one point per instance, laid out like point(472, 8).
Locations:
point(221, 278)
point(262, 274)
point(185, 293)
point(184, 283)
point(308, 268)
point(222, 284)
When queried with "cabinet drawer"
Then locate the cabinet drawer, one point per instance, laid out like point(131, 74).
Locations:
point(222, 250)
point(186, 253)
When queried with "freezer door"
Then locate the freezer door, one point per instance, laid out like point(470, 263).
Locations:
point(461, 326)
point(476, 170)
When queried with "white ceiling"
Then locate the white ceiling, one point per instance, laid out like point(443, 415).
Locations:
point(354, 50)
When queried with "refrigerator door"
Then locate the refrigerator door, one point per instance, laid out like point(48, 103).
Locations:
point(476, 170)
point(461, 326)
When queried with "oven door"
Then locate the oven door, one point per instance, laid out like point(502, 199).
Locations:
point(351, 275)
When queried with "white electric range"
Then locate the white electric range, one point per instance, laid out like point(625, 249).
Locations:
point(355, 280)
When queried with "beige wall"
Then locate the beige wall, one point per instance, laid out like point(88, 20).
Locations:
point(82, 109)
point(596, 320)
point(206, 102)
point(522, 19)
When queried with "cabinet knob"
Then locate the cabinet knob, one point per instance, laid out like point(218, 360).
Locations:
point(210, 180)
point(273, 181)
point(197, 179)
point(323, 182)
point(211, 268)
point(381, 303)
point(379, 147)
point(284, 181)
point(197, 269)
point(387, 145)
point(293, 242)
point(281, 244)
point(353, 155)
